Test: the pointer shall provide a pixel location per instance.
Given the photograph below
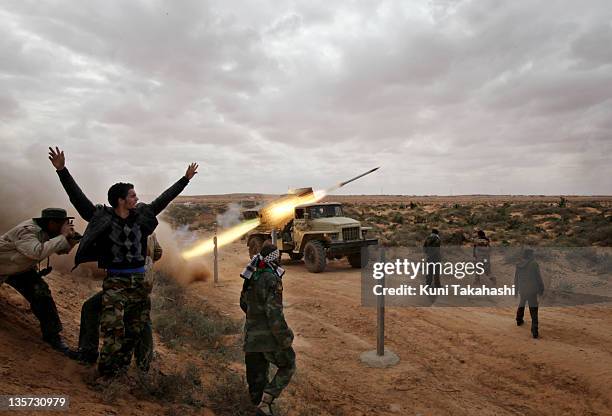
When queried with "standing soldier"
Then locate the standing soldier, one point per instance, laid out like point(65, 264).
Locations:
point(21, 249)
point(89, 335)
point(528, 284)
point(116, 237)
point(267, 338)
point(431, 248)
point(482, 254)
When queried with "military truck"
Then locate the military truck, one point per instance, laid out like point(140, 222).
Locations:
point(317, 232)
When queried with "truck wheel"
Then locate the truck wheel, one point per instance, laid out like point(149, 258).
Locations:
point(314, 256)
point(295, 256)
point(255, 244)
point(354, 260)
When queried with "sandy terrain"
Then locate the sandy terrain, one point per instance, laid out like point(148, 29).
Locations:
point(459, 361)
point(454, 361)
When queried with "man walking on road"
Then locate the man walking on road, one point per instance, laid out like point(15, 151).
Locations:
point(431, 249)
point(529, 285)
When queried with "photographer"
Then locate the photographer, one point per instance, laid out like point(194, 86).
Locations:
point(21, 249)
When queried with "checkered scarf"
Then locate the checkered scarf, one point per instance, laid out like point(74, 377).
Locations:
point(260, 262)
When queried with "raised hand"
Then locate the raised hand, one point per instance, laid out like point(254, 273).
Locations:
point(192, 169)
point(57, 158)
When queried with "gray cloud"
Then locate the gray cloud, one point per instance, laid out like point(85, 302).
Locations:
point(448, 96)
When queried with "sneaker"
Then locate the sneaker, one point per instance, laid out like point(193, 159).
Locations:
point(519, 323)
point(265, 406)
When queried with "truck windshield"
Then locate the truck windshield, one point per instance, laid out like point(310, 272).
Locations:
point(325, 211)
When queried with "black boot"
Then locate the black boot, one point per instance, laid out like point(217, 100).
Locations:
point(520, 313)
point(535, 334)
point(57, 343)
point(87, 357)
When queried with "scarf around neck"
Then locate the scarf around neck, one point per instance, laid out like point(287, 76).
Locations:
point(259, 262)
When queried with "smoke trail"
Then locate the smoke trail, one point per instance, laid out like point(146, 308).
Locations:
point(230, 217)
point(172, 263)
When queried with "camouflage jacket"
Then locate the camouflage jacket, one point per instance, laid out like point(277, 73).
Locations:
point(262, 301)
point(431, 247)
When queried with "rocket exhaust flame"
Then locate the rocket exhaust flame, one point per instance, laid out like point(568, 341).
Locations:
point(282, 211)
point(226, 237)
point(276, 213)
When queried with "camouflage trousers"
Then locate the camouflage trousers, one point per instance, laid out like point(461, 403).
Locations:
point(37, 293)
point(257, 368)
point(89, 334)
point(126, 307)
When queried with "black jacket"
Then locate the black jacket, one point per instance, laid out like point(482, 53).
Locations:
point(527, 278)
point(99, 216)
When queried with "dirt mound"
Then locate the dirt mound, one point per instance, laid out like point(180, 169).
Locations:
point(29, 367)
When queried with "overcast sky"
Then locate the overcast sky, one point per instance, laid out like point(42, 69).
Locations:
point(448, 97)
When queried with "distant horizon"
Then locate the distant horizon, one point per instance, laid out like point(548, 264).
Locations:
point(412, 195)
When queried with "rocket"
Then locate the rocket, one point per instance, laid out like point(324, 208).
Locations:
point(357, 177)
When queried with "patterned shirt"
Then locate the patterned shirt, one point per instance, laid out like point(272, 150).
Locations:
point(126, 245)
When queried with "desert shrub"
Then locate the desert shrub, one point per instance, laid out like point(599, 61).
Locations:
point(457, 237)
point(183, 387)
point(565, 286)
point(179, 323)
point(182, 214)
point(472, 220)
point(397, 218)
point(229, 395)
point(587, 204)
point(513, 223)
point(602, 235)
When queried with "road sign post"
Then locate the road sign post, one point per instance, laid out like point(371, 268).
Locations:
point(380, 357)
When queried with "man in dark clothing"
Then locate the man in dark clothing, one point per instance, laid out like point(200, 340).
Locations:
point(431, 248)
point(116, 237)
point(482, 254)
point(267, 337)
point(528, 284)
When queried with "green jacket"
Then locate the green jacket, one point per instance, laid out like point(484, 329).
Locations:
point(262, 301)
point(527, 278)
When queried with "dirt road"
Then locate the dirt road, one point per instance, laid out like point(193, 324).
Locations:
point(459, 361)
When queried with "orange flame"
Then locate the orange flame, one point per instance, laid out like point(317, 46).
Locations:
point(224, 238)
point(276, 213)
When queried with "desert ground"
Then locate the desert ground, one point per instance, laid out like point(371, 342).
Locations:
point(453, 361)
